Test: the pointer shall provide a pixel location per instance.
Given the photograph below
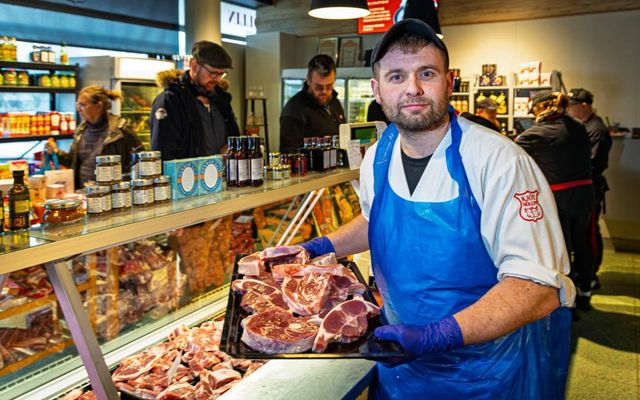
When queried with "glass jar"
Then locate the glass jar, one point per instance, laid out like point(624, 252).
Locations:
point(162, 188)
point(149, 164)
point(268, 172)
point(278, 173)
point(63, 211)
point(23, 78)
point(274, 159)
point(108, 169)
point(286, 171)
point(121, 195)
point(142, 192)
point(96, 199)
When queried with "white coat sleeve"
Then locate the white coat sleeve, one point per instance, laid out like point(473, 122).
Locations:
point(366, 191)
point(520, 225)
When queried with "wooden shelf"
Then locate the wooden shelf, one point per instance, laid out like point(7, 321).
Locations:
point(36, 89)
point(34, 138)
point(36, 357)
point(38, 66)
point(32, 305)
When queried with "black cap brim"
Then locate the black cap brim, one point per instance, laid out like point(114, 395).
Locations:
point(409, 26)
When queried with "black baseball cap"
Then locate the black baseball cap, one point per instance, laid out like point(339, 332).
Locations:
point(410, 26)
point(210, 53)
point(539, 97)
point(580, 95)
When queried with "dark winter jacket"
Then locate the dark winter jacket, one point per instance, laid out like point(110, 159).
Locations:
point(303, 117)
point(120, 141)
point(561, 148)
point(176, 120)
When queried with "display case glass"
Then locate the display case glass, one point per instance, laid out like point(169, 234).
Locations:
point(136, 106)
point(360, 96)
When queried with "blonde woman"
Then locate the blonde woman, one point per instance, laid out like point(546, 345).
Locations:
point(100, 133)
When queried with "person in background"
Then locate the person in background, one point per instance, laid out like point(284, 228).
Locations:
point(375, 113)
point(193, 117)
point(486, 114)
point(466, 246)
point(100, 133)
point(313, 111)
point(581, 108)
point(560, 146)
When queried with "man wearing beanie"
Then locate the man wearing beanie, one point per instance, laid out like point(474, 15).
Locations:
point(193, 116)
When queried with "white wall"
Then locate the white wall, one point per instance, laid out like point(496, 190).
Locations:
point(600, 52)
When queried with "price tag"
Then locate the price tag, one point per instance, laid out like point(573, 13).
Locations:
point(354, 155)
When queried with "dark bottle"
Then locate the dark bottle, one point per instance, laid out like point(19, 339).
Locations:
point(334, 151)
point(317, 154)
point(1, 212)
point(256, 161)
point(244, 175)
point(306, 152)
point(18, 203)
point(326, 153)
point(232, 163)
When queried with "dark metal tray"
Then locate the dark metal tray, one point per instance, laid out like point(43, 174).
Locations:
point(366, 347)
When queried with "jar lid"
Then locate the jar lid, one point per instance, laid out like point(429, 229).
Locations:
point(94, 189)
point(124, 185)
point(141, 182)
point(107, 159)
point(62, 204)
point(145, 155)
point(162, 179)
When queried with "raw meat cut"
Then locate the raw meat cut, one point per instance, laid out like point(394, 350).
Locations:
point(178, 391)
point(279, 272)
point(257, 295)
point(326, 259)
point(220, 377)
point(252, 368)
point(277, 331)
point(307, 295)
point(134, 366)
point(284, 255)
point(345, 323)
point(251, 264)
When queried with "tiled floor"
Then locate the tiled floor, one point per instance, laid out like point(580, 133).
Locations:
point(605, 363)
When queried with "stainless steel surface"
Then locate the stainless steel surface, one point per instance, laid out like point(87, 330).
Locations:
point(81, 330)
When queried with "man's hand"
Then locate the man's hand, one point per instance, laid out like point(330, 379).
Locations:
point(444, 335)
point(319, 246)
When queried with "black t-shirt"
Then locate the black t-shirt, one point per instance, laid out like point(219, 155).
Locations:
point(413, 169)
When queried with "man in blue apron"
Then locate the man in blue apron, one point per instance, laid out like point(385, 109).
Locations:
point(466, 245)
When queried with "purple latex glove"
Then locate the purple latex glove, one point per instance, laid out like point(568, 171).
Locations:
point(444, 335)
point(319, 246)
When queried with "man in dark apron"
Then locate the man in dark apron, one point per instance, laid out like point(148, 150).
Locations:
point(466, 245)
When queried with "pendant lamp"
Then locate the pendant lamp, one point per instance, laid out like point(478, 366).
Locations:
point(339, 9)
point(424, 10)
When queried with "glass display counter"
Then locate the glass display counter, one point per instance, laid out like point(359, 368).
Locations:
point(84, 296)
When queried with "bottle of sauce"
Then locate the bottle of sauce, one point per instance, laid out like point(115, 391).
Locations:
point(231, 161)
point(19, 206)
point(317, 154)
point(256, 161)
point(244, 174)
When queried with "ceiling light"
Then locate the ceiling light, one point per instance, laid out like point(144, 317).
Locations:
point(339, 9)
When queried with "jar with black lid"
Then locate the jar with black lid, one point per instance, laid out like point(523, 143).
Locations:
point(108, 170)
point(149, 164)
point(98, 199)
point(142, 191)
point(121, 195)
point(162, 188)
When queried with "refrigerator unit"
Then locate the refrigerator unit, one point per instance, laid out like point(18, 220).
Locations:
point(135, 79)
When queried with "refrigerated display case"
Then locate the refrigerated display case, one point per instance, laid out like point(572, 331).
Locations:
point(359, 96)
point(134, 277)
point(135, 78)
point(293, 81)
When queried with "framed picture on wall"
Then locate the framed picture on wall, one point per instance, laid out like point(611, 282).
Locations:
point(328, 46)
point(349, 52)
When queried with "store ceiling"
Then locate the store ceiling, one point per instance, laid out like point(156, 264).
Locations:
point(290, 16)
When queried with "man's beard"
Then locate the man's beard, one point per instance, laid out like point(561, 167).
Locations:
point(428, 120)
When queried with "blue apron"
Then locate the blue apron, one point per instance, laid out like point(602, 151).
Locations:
point(429, 262)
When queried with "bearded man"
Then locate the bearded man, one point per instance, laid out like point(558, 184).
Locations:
point(466, 244)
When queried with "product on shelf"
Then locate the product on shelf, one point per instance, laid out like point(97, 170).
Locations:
point(529, 74)
point(19, 203)
point(204, 253)
point(202, 370)
point(16, 124)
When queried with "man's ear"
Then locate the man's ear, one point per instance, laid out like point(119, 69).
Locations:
point(375, 88)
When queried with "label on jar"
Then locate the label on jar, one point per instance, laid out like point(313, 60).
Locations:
point(158, 167)
point(147, 168)
point(140, 197)
point(106, 202)
point(243, 170)
point(162, 193)
point(232, 170)
point(117, 172)
point(256, 169)
point(127, 199)
point(118, 199)
point(150, 195)
point(104, 174)
point(94, 205)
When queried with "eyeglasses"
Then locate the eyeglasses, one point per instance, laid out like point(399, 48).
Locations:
point(82, 106)
point(214, 74)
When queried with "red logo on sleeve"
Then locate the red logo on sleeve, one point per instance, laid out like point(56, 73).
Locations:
point(530, 209)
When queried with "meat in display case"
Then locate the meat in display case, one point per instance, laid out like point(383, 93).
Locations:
point(137, 277)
